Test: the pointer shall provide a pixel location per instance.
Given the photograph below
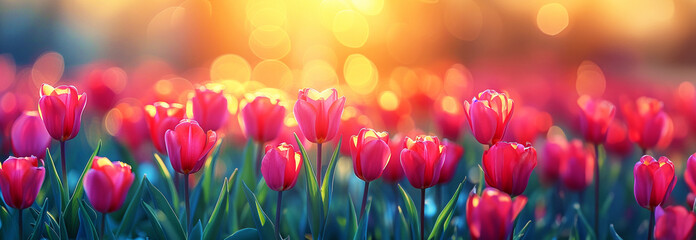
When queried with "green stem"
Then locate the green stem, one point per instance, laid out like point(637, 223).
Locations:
point(188, 204)
point(278, 207)
point(596, 197)
point(259, 157)
point(652, 224)
point(103, 224)
point(319, 165)
point(19, 211)
point(364, 199)
point(422, 214)
point(63, 166)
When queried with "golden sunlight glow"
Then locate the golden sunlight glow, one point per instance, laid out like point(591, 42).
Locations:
point(368, 7)
point(164, 87)
point(552, 18)
point(269, 42)
point(360, 74)
point(462, 18)
point(590, 80)
point(273, 73)
point(451, 105)
point(266, 12)
point(230, 66)
point(318, 74)
point(388, 101)
point(112, 121)
point(48, 69)
point(350, 28)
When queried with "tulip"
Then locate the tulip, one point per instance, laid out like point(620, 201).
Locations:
point(370, 152)
point(617, 139)
point(263, 120)
point(453, 155)
point(507, 166)
point(106, 185)
point(488, 116)
point(555, 151)
point(578, 168)
point(449, 117)
point(595, 118)
point(690, 173)
point(318, 115)
point(20, 181)
point(280, 167)
point(653, 182)
point(526, 125)
point(162, 116)
point(61, 111)
point(209, 107)
point(492, 215)
point(422, 160)
point(675, 223)
point(187, 147)
point(29, 136)
point(393, 173)
point(648, 124)
point(130, 127)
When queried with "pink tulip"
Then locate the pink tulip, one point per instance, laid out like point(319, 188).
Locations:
point(319, 114)
point(555, 151)
point(488, 115)
point(648, 124)
point(393, 173)
point(453, 155)
point(370, 152)
point(422, 160)
point(107, 184)
point(675, 223)
point(280, 166)
point(29, 136)
point(653, 181)
point(263, 119)
point(209, 106)
point(61, 110)
point(690, 173)
point(449, 117)
point(595, 118)
point(162, 116)
point(188, 145)
point(577, 170)
point(20, 181)
point(507, 166)
point(492, 215)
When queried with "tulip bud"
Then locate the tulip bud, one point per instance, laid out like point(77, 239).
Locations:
point(449, 117)
point(29, 136)
point(319, 114)
point(422, 160)
point(488, 116)
point(453, 154)
point(690, 173)
point(393, 173)
point(280, 166)
point(107, 183)
point(263, 119)
point(648, 124)
point(188, 145)
point(577, 170)
point(162, 116)
point(555, 151)
point(20, 181)
point(492, 215)
point(653, 181)
point(61, 110)
point(595, 118)
point(209, 107)
point(370, 153)
point(507, 166)
point(675, 223)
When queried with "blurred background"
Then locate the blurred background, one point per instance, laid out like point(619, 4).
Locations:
point(400, 63)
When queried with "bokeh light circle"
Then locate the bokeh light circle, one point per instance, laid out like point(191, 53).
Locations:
point(269, 42)
point(552, 19)
point(360, 74)
point(350, 28)
point(230, 66)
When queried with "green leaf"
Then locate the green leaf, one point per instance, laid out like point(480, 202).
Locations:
point(158, 233)
point(445, 216)
point(403, 226)
point(247, 174)
point(170, 222)
point(58, 192)
point(522, 232)
point(196, 232)
point(52, 235)
point(169, 179)
point(263, 223)
point(314, 200)
point(36, 234)
point(244, 234)
point(208, 173)
point(327, 184)
point(481, 182)
point(586, 224)
point(352, 224)
point(411, 212)
point(361, 233)
point(212, 229)
point(127, 221)
point(614, 235)
point(70, 213)
point(86, 226)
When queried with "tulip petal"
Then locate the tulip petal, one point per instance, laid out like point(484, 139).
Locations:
point(52, 111)
point(305, 114)
point(98, 188)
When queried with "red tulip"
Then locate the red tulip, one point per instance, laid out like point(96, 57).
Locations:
point(449, 117)
point(104, 84)
point(492, 215)
point(595, 118)
point(319, 114)
point(393, 173)
point(280, 166)
point(527, 124)
point(10, 109)
point(263, 119)
point(422, 160)
point(648, 124)
point(488, 115)
point(577, 170)
point(370, 152)
point(617, 139)
point(20, 180)
point(107, 183)
point(453, 154)
point(130, 127)
point(690, 173)
point(352, 121)
point(653, 181)
point(675, 223)
point(209, 106)
point(162, 116)
point(61, 110)
point(188, 145)
point(555, 151)
point(507, 166)
point(29, 136)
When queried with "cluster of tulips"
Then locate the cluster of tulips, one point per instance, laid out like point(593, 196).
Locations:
point(424, 160)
